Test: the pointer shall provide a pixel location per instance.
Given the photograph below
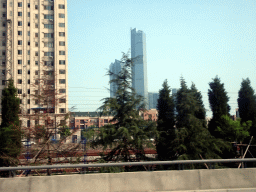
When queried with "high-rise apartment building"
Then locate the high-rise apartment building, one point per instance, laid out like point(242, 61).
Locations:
point(115, 68)
point(153, 99)
point(139, 70)
point(33, 35)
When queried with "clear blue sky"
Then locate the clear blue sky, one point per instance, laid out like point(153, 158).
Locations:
point(197, 39)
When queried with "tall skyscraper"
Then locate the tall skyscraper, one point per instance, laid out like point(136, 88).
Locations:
point(152, 99)
point(115, 68)
point(34, 44)
point(139, 70)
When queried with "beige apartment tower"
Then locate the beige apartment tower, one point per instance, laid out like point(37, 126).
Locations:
point(33, 35)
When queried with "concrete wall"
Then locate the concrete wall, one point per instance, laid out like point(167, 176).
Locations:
point(194, 180)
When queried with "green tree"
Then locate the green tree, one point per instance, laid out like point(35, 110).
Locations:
point(218, 100)
point(247, 104)
point(10, 132)
point(193, 140)
point(129, 133)
point(200, 113)
point(165, 123)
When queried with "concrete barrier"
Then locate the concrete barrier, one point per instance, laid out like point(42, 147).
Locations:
point(221, 180)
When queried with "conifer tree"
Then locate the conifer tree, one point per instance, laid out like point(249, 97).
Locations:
point(165, 123)
point(218, 100)
point(10, 132)
point(247, 104)
point(193, 140)
point(129, 132)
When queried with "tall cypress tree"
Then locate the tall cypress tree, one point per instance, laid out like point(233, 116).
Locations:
point(218, 100)
point(10, 132)
point(165, 123)
point(192, 139)
point(247, 104)
point(200, 113)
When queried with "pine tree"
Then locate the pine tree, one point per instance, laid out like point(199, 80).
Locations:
point(165, 123)
point(193, 140)
point(10, 132)
point(129, 132)
point(201, 112)
point(247, 104)
point(218, 100)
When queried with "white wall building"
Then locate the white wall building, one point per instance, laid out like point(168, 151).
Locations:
point(33, 43)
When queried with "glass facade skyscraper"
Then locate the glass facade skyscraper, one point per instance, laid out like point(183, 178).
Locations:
point(139, 69)
point(114, 68)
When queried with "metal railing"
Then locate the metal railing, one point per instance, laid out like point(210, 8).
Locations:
point(147, 163)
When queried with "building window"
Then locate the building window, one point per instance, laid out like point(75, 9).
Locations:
point(61, 15)
point(20, 101)
point(61, 24)
point(19, 23)
point(28, 91)
point(3, 52)
point(3, 43)
point(48, 16)
point(28, 24)
point(3, 72)
point(4, 14)
point(36, 25)
point(36, 62)
point(28, 72)
point(28, 62)
point(28, 5)
point(61, 52)
point(49, 35)
point(36, 102)
point(28, 101)
point(19, 4)
point(3, 62)
point(62, 43)
point(28, 33)
point(28, 14)
point(36, 6)
point(19, 52)
point(36, 34)
point(28, 81)
point(19, 71)
point(62, 110)
point(3, 34)
point(19, 32)
point(48, 26)
point(36, 72)
point(48, 7)
point(19, 42)
point(62, 34)
point(48, 53)
point(62, 62)
point(4, 5)
point(49, 44)
point(49, 63)
point(61, 6)
point(28, 52)
point(19, 62)
point(4, 24)
point(28, 43)
point(36, 16)
point(62, 71)
point(62, 100)
point(19, 14)
point(36, 53)
point(19, 91)
point(19, 81)
point(36, 44)
point(62, 90)
point(28, 123)
point(62, 81)
point(3, 82)
point(28, 111)
point(36, 92)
